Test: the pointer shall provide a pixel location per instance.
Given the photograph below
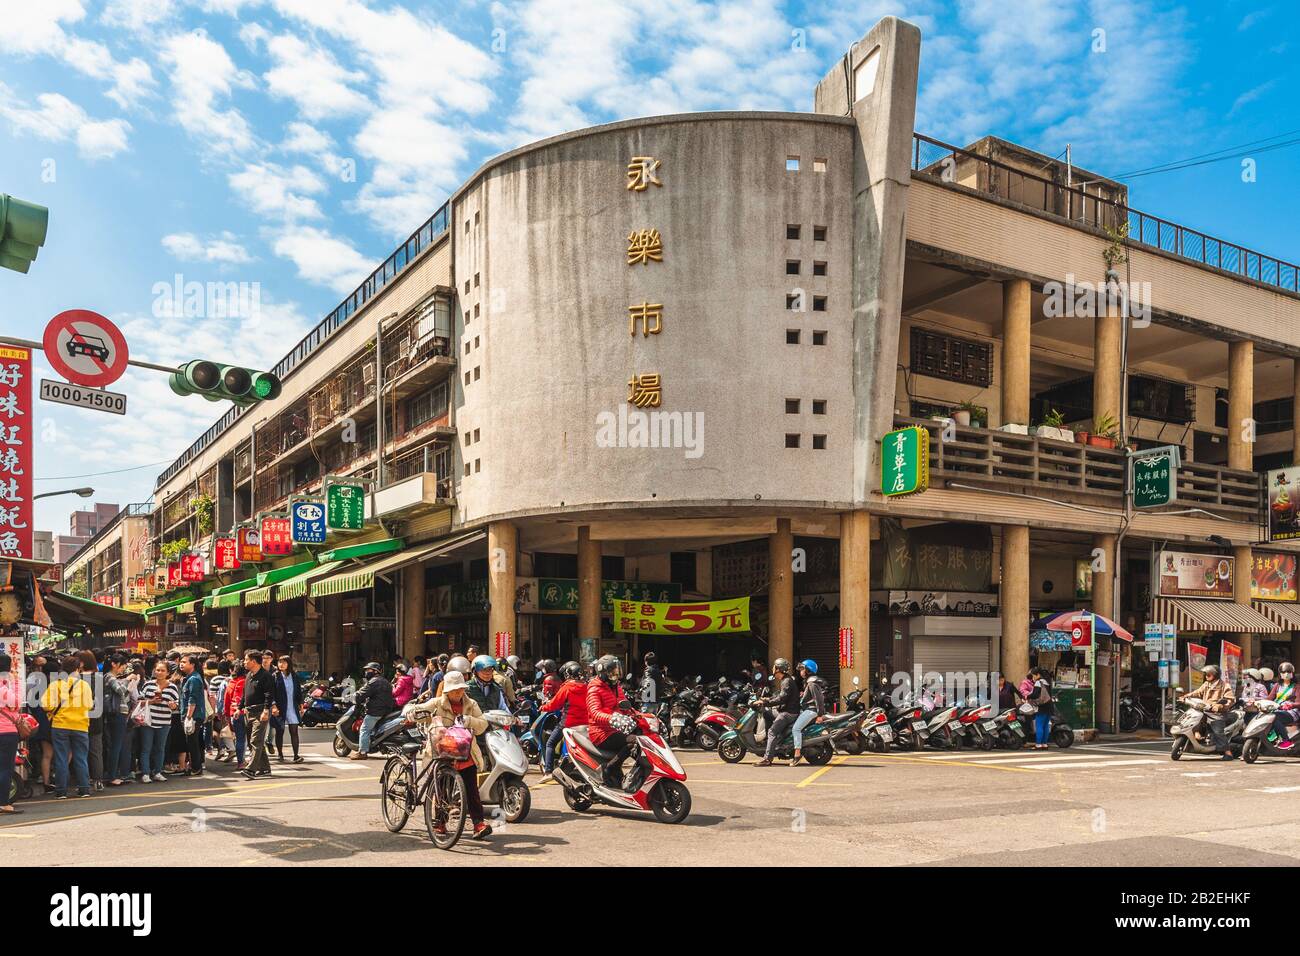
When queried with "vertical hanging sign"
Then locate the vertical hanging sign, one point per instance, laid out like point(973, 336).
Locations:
point(846, 647)
point(16, 434)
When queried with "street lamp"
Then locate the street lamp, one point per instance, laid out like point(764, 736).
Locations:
point(80, 492)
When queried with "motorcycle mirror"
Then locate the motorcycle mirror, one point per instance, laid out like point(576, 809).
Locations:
point(855, 680)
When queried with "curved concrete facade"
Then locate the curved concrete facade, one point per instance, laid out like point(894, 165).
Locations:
point(542, 271)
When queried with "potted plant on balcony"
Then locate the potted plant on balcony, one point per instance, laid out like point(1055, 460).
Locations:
point(969, 415)
point(1051, 427)
point(1105, 431)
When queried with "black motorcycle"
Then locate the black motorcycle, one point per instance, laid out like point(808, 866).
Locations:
point(347, 732)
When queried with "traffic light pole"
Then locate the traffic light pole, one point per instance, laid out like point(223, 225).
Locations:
point(27, 343)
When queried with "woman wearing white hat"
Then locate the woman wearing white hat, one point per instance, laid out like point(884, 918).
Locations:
point(451, 705)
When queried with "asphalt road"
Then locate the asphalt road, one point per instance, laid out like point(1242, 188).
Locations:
point(1121, 804)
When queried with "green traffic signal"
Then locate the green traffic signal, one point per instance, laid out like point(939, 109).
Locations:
point(22, 232)
point(224, 383)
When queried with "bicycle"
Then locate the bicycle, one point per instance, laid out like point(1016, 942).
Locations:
point(404, 785)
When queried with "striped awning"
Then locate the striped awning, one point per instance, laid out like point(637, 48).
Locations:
point(1284, 614)
point(297, 587)
point(1205, 615)
point(258, 596)
point(362, 577)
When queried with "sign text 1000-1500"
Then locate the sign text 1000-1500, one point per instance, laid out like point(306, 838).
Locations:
point(94, 398)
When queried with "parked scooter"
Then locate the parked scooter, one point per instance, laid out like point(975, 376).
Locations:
point(1058, 731)
point(750, 736)
point(1009, 731)
point(1255, 739)
point(347, 732)
point(662, 792)
point(978, 726)
point(503, 785)
point(322, 706)
point(1192, 731)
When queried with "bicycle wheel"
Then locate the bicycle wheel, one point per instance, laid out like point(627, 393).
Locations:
point(396, 793)
point(445, 807)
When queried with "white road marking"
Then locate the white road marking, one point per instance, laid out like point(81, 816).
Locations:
point(1098, 766)
point(1274, 789)
point(1208, 773)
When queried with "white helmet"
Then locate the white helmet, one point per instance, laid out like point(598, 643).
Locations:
point(1266, 673)
point(459, 663)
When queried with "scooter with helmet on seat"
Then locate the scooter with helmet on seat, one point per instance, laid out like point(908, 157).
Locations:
point(657, 778)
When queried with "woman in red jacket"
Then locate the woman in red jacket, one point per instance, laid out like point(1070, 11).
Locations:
point(608, 727)
point(231, 707)
point(571, 701)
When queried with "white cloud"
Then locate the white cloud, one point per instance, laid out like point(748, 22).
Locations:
point(137, 15)
point(223, 248)
point(57, 119)
point(275, 190)
point(203, 76)
point(323, 258)
point(313, 79)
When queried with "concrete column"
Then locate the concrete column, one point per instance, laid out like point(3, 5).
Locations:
point(1015, 601)
point(855, 594)
point(412, 613)
point(1241, 404)
point(1241, 595)
point(1103, 602)
point(589, 555)
point(1295, 412)
point(1107, 360)
point(1015, 351)
point(332, 655)
point(503, 548)
point(236, 615)
point(780, 593)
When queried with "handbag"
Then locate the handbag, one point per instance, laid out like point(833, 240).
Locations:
point(139, 713)
point(21, 722)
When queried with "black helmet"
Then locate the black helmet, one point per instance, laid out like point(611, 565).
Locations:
point(607, 666)
point(571, 670)
point(782, 665)
point(548, 666)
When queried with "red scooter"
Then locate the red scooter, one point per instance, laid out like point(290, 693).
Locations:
point(582, 773)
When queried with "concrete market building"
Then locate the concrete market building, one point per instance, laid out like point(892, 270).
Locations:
point(656, 359)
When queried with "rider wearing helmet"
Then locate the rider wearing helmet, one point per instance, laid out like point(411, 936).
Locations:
point(812, 705)
point(551, 680)
point(1288, 699)
point(785, 701)
point(608, 727)
point(484, 688)
point(505, 681)
point(1219, 698)
point(376, 695)
point(570, 699)
point(651, 680)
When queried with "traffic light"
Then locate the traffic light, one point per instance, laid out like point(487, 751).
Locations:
point(22, 232)
point(216, 383)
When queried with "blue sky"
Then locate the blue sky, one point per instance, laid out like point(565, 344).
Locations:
point(294, 143)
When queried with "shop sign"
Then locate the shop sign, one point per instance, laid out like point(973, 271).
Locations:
point(277, 536)
point(225, 553)
point(249, 545)
point(501, 644)
point(1170, 649)
point(1272, 577)
point(1183, 574)
point(1155, 477)
point(561, 594)
point(1081, 631)
point(1196, 657)
point(905, 461)
point(846, 647)
point(16, 442)
point(192, 568)
point(308, 522)
point(174, 579)
point(345, 507)
point(108, 600)
point(161, 579)
point(1283, 516)
point(942, 604)
point(469, 598)
point(702, 617)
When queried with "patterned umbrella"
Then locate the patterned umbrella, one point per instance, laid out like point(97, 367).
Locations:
point(1064, 621)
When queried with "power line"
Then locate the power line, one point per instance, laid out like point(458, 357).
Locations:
point(1215, 156)
point(98, 474)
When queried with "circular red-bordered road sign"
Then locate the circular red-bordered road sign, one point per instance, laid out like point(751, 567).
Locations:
point(85, 348)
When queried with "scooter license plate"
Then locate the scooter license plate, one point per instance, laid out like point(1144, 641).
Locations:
point(1018, 729)
point(989, 724)
point(918, 725)
point(678, 723)
point(886, 733)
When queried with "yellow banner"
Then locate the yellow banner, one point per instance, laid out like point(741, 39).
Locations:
point(701, 617)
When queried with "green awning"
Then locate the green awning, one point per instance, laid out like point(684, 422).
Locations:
point(360, 578)
point(299, 585)
point(185, 607)
point(386, 546)
point(167, 605)
point(276, 575)
point(227, 600)
point(234, 586)
point(258, 596)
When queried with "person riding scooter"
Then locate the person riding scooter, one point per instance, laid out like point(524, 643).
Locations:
point(484, 688)
point(1288, 700)
point(1219, 698)
point(376, 695)
point(610, 728)
point(571, 701)
point(786, 704)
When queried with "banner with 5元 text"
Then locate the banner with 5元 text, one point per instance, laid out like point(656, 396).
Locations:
point(699, 617)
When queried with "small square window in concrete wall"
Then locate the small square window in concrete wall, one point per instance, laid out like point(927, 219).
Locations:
point(793, 302)
point(819, 165)
point(467, 378)
point(819, 303)
point(476, 218)
point(792, 336)
point(819, 406)
point(819, 337)
point(477, 369)
point(819, 442)
point(476, 338)
point(792, 267)
point(792, 164)
point(819, 233)
point(466, 469)
point(469, 439)
point(819, 268)
point(864, 76)
point(467, 287)
point(476, 312)
point(792, 230)
point(467, 347)
point(476, 435)
point(478, 465)
point(792, 406)
point(476, 280)
point(791, 441)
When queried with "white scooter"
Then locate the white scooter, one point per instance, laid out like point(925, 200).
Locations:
point(1255, 739)
point(1192, 731)
point(503, 784)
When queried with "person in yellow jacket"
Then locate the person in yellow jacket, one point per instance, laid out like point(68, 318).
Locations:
point(68, 702)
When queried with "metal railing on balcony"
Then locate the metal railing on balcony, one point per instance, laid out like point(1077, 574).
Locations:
point(1004, 461)
point(429, 459)
point(389, 269)
point(946, 163)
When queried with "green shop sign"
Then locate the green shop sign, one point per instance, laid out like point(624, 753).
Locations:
point(345, 507)
point(1155, 476)
point(561, 594)
point(905, 461)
